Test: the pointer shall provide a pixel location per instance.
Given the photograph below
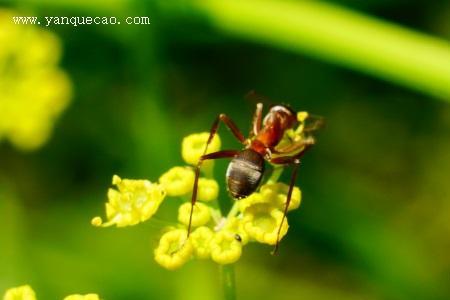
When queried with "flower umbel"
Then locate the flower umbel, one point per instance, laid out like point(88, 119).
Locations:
point(221, 238)
point(133, 202)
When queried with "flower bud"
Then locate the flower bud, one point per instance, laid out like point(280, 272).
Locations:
point(193, 147)
point(262, 222)
point(200, 216)
point(174, 249)
point(178, 181)
point(225, 248)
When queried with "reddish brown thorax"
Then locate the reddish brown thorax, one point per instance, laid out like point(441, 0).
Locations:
point(275, 123)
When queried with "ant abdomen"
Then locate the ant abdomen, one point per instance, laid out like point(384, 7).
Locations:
point(244, 173)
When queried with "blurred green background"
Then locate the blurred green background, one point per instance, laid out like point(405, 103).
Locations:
point(375, 217)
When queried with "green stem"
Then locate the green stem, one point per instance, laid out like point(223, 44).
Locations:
point(339, 35)
point(228, 281)
point(323, 30)
point(276, 173)
point(234, 210)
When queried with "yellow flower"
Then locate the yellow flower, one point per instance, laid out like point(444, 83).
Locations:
point(34, 90)
point(193, 146)
point(82, 297)
point(24, 292)
point(250, 200)
point(208, 189)
point(302, 116)
point(200, 216)
point(262, 221)
point(276, 193)
point(225, 248)
point(135, 201)
point(174, 249)
point(236, 226)
point(178, 181)
point(200, 239)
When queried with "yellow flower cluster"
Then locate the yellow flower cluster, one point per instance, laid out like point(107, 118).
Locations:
point(34, 90)
point(256, 218)
point(25, 292)
point(133, 202)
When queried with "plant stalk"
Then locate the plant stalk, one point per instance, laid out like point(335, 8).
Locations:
point(228, 281)
point(339, 35)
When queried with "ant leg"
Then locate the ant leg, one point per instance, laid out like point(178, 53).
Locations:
point(219, 154)
point(214, 155)
point(257, 118)
point(287, 160)
point(296, 163)
point(230, 124)
point(297, 146)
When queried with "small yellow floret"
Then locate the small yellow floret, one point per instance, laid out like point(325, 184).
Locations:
point(200, 216)
point(262, 221)
point(252, 199)
point(208, 189)
point(302, 115)
point(178, 181)
point(82, 297)
point(174, 249)
point(236, 226)
point(276, 193)
point(193, 147)
point(24, 292)
point(201, 238)
point(225, 248)
point(135, 201)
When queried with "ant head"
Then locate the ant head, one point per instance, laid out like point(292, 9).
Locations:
point(283, 114)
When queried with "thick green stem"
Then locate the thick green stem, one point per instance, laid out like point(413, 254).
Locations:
point(323, 30)
point(228, 281)
point(339, 35)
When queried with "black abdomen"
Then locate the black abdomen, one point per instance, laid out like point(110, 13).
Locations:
point(244, 173)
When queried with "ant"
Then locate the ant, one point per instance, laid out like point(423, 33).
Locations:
point(246, 168)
